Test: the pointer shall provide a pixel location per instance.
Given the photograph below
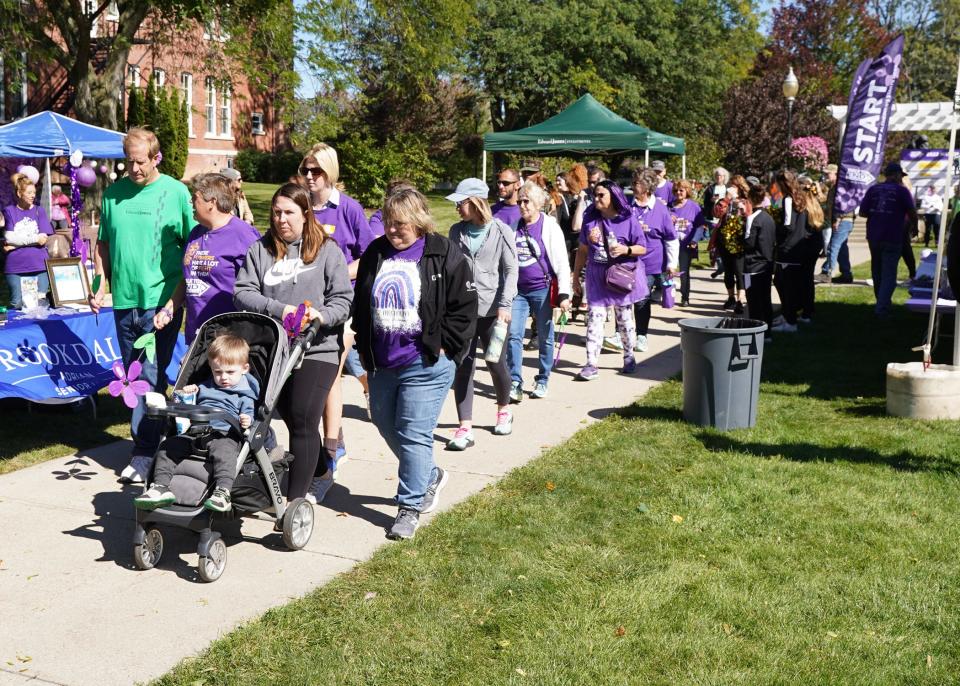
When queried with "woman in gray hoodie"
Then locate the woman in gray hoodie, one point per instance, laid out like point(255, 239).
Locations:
point(293, 263)
point(489, 246)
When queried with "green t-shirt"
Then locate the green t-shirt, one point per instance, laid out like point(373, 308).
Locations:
point(146, 228)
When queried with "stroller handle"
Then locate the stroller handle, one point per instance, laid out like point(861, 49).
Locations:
point(306, 338)
point(196, 414)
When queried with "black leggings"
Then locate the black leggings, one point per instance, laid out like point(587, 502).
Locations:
point(301, 405)
point(732, 270)
point(463, 380)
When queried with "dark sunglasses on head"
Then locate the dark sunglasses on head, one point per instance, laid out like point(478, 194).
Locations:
point(310, 171)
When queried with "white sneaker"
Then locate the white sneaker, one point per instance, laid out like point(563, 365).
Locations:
point(641, 345)
point(785, 328)
point(612, 343)
point(136, 472)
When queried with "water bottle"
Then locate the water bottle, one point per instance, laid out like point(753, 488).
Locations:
point(497, 337)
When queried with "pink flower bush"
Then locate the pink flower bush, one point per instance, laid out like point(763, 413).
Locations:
point(809, 152)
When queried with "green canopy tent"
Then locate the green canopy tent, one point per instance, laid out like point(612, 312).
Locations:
point(585, 126)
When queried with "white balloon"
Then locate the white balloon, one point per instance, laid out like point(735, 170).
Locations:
point(113, 176)
point(120, 166)
point(76, 158)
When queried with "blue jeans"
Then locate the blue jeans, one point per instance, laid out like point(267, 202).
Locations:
point(405, 405)
point(838, 254)
point(525, 304)
point(131, 324)
point(16, 293)
point(352, 364)
point(884, 258)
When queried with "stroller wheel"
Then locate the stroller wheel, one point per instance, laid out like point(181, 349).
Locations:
point(211, 566)
point(147, 555)
point(298, 524)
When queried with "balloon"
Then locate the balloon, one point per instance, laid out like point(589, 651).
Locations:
point(76, 158)
point(120, 166)
point(113, 176)
point(86, 177)
point(30, 172)
point(103, 169)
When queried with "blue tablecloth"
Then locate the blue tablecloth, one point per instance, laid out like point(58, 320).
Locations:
point(63, 356)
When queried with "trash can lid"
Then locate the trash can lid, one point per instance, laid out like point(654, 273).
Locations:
point(717, 324)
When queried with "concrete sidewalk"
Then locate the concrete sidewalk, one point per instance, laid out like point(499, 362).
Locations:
point(75, 611)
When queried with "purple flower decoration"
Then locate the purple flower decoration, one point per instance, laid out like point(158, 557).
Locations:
point(127, 384)
point(293, 322)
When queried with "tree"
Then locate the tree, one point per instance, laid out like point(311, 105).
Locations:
point(824, 43)
point(135, 112)
point(61, 33)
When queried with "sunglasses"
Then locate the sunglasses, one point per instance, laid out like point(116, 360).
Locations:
point(523, 201)
point(461, 204)
point(310, 171)
point(501, 182)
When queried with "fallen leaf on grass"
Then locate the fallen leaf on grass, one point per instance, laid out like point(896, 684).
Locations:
point(343, 514)
point(369, 595)
point(643, 508)
point(831, 634)
point(503, 644)
point(522, 578)
point(728, 629)
point(520, 672)
point(929, 661)
point(621, 630)
point(551, 486)
point(677, 518)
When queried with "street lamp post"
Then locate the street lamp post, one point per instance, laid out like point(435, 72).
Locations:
point(791, 86)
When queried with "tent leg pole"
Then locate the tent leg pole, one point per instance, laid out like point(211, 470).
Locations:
point(47, 185)
point(484, 172)
point(646, 158)
point(683, 166)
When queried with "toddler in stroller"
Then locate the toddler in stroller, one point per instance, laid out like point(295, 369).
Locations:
point(231, 389)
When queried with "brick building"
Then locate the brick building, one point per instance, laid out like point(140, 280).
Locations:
point(225, 116)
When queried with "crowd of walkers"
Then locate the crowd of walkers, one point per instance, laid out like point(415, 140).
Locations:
point(408, 311)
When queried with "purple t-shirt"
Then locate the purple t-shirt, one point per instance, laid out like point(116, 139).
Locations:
point(343, 220)
point(376, 224)
point(531, 257)
point(395, 302)
point(508, 214)
point(26, 259)
point(665, 193)
point(886, 205)
point(211, 261)
point(621, 229)
point(657, 225)
point(687, 220)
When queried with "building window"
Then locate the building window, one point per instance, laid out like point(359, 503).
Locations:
point(226, 113)
point(90, 9)
point(133, 75)
point(112, 13)
point(256, 122)
point(186, 85)
point(159, 77)
point(211, 87)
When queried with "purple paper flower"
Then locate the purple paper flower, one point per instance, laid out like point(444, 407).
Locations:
point(127, 384)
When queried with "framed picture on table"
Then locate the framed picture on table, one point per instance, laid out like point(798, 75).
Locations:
point(68, 281)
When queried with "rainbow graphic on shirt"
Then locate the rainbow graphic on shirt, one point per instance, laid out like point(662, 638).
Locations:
point(396, 297)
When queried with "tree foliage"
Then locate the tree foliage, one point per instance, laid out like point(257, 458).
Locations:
point(162, 111)
point(824, 43)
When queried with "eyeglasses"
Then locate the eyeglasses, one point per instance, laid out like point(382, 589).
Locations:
point(503, 182)
point(310, 171)
point(523, 201)
point(461, 204)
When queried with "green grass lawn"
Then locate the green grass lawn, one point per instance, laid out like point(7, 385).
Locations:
point(813, 548)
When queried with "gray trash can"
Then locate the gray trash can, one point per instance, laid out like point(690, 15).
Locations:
point(721, 370)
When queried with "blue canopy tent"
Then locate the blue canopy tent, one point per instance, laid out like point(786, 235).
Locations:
point(47, 134)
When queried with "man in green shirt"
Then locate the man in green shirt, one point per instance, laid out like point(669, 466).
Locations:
point(145, 219)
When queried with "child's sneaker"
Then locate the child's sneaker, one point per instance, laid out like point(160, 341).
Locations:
point(155, 496)
point(588, 373)
point(219, 501)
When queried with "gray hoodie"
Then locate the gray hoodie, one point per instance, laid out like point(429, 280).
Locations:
point(494, 266)
point(267, 285)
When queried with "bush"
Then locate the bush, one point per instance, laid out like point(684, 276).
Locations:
point(266, 167)
point(366, 166)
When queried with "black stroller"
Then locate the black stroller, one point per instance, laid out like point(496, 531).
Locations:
point(260, 485)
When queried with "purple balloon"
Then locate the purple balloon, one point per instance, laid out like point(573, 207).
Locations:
point(103, 169)
point(86, 177)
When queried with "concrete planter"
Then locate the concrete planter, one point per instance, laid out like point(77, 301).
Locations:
point(918, 394)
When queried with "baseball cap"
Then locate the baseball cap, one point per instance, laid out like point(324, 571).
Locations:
point(230, 173)
point(831, 169)
point(469, 188)
point(893, 168)
point(753, 180)
point(530, 166)
point(658, 165)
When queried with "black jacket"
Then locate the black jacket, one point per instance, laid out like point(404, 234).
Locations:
point(792, 245)
point(759, 245)
point(448, 300)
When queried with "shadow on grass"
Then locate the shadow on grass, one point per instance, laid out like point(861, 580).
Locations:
point(636, 411)
point(810, 452)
